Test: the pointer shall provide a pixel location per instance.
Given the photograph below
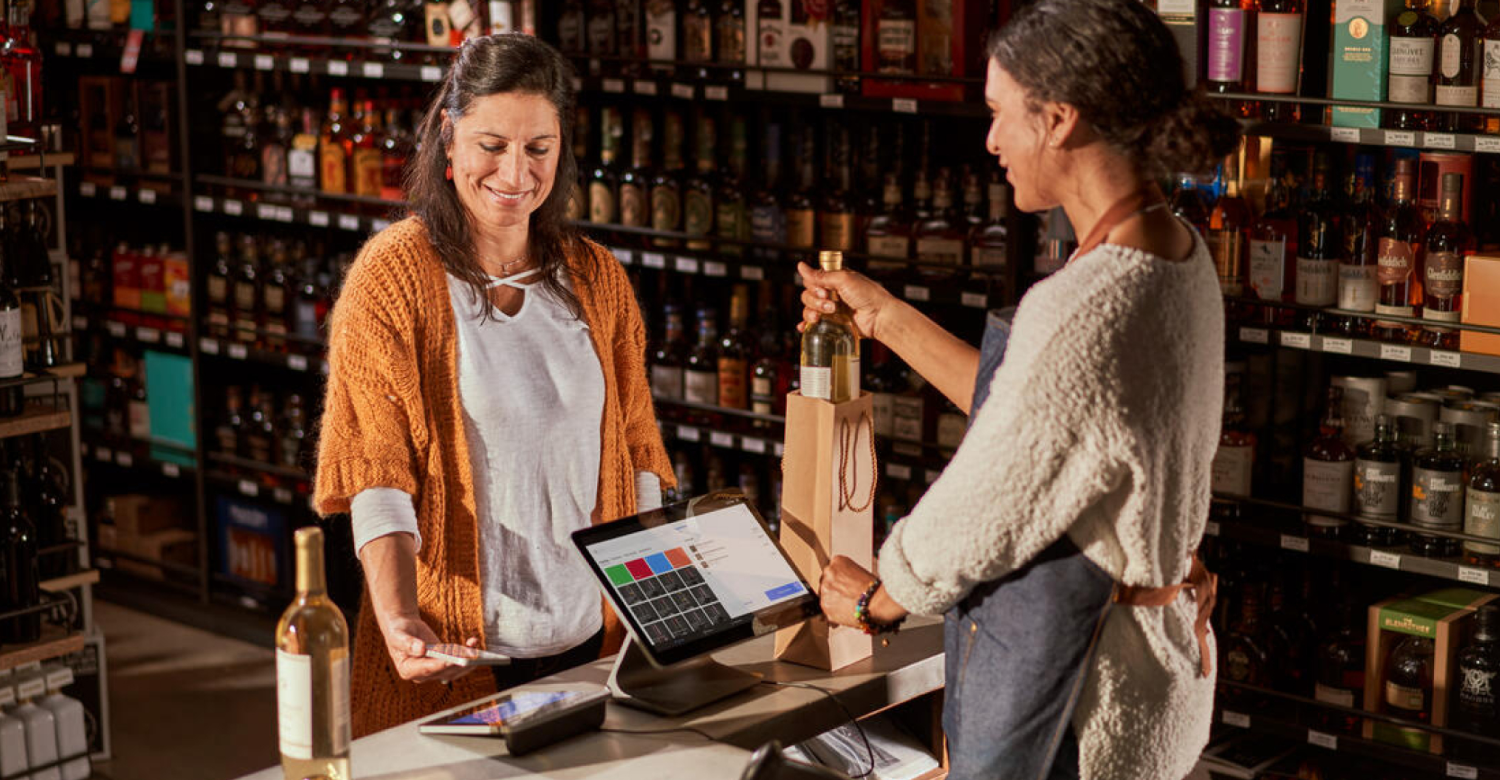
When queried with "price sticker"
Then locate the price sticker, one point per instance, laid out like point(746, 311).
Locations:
point(625, 256)
point(719, 93)
point(1255, 335)
point(171, 470)
point(897, 471)
point(238, 352)
point(931, 476)
point(374, 70)
point(104, 454)
point(348, 222)
point(234, 208)
point(324, 367)
point(249, 488)
point(655, 260)
point(975, 300)
point(753, 273)
point(645, 88)
point(1400, 138)
point(148, 335)
point(904, 105)
point(124, 459)
point(916, 293)
point(779, 449)
point(1462, 771)
point(285, 214)
point(1211, 528)
point(613, 85)
point(265, 62)
point(193, 56)
point(147, 197)
point(683, 91)
point(431, 73)
point(1386, 559)
point(85, 50)
point(1443, 358)
point(831, 101)
point(718, 270)
point(175, 340)
point(65, 49)
point(317, 218)
point(296, 362)
point(1487, 145)
point(282, 495)
point(1297, 543)
point(118, 192)
point(718, 439)
point(265, 211)
point(687, 433)
point(80, 322)
point(203, 203)
point(1392, 352)
point(1438, 140)
point(1473, 576)
point(757, 446)
point(33, 688)
point(1338, 346)
point(338, 68)
point(116, 329)
point(299, 65)
point(209, 346)
point(60, 677)
point(687, 265)
point(228, 59)
point(1322, 740)
point(1236, 719)
point(1296, 340)
point(87, 189)
point(1348, 135)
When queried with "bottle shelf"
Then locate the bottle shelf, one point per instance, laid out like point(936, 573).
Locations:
point(1375, 136)
point(145, 335)
point(104, 46)
point(704, 91)
point(55, 643)
point(183, 578)
point(38, 418)
point(233, 350)
point(755, 445)
point(26, 188)
point(28, 161)
point(134, 192)
point(285, 214)
point(339, 68)
point(133, 455)
point(59, 584)
point(1367, 348)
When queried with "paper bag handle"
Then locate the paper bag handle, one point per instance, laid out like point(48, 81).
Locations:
point(848, 438)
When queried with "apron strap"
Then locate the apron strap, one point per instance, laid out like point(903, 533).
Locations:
point(1204, 586)
point(1144, 199)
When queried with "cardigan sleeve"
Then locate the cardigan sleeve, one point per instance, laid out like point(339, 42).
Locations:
point(642, 436)
point(372, 427)
point(1029, 467)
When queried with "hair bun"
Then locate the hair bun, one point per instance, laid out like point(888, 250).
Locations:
point(1192, 138)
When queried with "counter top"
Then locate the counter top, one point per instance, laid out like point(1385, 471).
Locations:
point(911, 667)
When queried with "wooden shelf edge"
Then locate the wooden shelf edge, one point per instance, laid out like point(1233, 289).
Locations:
point(24, 187)
point(31, 162)
point(58, 644)
point(88, 577)
point(35, 421)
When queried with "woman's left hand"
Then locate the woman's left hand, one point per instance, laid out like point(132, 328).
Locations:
point(843, 582)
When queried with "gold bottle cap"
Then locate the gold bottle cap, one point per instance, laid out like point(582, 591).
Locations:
point(831, 261)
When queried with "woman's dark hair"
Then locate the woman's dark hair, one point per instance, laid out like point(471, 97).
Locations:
point(1119, 66)
point(486, 66)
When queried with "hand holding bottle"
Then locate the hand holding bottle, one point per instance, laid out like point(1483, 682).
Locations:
point(866, 299)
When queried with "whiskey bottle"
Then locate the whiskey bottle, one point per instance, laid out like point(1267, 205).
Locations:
point(310, 19)
point(396, 146)
point(836, 212)
point(1408, 680)
point(635, 183)
point(367, 165)
point(220, 280)
point(830, 348)
point(1437, 494)
point(989, 244)
point(1227, 25)
point(1482, 509)
point(346, 19)
point(896, 38)
point(604, 179)
point(302, 155)
point(1414, 36)
point(698, 34)
point(1477, 709)
point(1340, 678)
point(334, 148)
point(698, 195)
point(571, 35)
point(668, 355)
point(273, 152)
point(307, 307)
point(802, 206)
point(731, 217)
point(293, 433)
point(735, 352)
point(19, 588)
point(729, 33)
point(1489, 79)
point(259, 435)
point(1359, 285)
point(1318, 247)
point(661, 34)
point(700, 376)
point(1459, 67)
point(666, 186)
point(1448, 240)
point(601, 31)
point(767, 217)
point(1228, 224)
point(1278, 52)
point(1378, 479)
point(1290, 638)
point(844, 32)
point(1245, 658)
point(248, 312)
point(1273, 252)
point(767, 394)
point(1328, 471)
point(275, 17)
point(1402, 243)
point(1234, 461)
point(889, 233)
point(940, 237)
point(276, 291)
point(312, 672)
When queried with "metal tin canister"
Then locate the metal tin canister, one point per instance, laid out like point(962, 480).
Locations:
point(1414, 417)
point(1364, 400)
point(1471, 421)
point(1398, 382)
point(1431, 167)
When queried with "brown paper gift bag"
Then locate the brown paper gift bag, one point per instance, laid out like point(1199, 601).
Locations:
point(827, 498)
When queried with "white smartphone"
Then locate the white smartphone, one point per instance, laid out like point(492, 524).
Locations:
point(463, 655)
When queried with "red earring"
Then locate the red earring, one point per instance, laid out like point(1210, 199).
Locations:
point(448, 173)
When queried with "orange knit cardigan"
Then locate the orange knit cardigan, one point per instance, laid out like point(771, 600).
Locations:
point(392, 418)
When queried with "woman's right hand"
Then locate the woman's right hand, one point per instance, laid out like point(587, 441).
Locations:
point(406, 640)
point(863, 296)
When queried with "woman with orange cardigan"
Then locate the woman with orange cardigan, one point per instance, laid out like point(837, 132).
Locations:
point(487, 398)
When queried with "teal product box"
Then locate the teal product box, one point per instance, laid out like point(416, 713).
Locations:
point(1361, 57)
point(143, 15)
point(169, 397)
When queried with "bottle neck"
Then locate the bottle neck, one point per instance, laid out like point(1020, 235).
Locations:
point(311, 578)
point(1401, 193)
point(1452, 208)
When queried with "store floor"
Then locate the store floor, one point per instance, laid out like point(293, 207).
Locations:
point(183, 702)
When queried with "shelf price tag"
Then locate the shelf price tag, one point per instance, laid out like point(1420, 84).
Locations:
point(719, 439)
point(898, 471)
point(1255, 335)
point(757, 446)
point(234, 208)
point(432, 73)
point(203, 203)
point(1348, 135)
point(614, 85)
point(282, 495)
point(1296, 340)
point(33, 688)
point(975, 300)
point(752, 273)
point(238, 351)
point(87, 189)
point(687, 433)
point(374, 70)
point(655, 260)
point(683, 91)
point(719, 93)
point(1438, 140)
point(124, 460)
point(687, 265)
point(265, 211)
point(265, 62)
point(116, 329)
point(1392, 352)
point(1292, 542)
point(175, 340)
point(147, 197)
point(59, 678)
point(85, 50)
point(148, 335)
point(1338, 346)
point(1211, 528)
point(625, 256)
point(1322, 740)
point(645, 88)
point(1236, 719)
point(779, 449)
point(171, 470)
point(1400, 138)
point(80, 322)
point(249, 488)
point(296, 362)
point(1487, 145)
point(348, 222)
point(209, 346)
point(228, 59)
point(299, 65)
point(118, 192)
point(193, 56)
point(904, 105)
point(65, 49)
point(338, 68)
point(317, 218)
point(1387, 559)
point(104, 454)
point(1473, 576)
point(916, 293)
point(1462, 771)
point(1444, 358)
point(831, 101)
point(711, 268)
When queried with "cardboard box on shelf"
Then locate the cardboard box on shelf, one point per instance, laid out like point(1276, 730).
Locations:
point(252, 541)
point(1481, 305)
point(794, 39)
point(1361, 52)
point(949, 36)
point(136, 514)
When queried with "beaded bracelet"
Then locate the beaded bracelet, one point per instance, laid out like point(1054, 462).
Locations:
point(867, 623)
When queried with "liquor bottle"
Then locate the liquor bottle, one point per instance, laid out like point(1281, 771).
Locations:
point(1245, 658)
point(259, 435)
point(1378, 479)
point(1459, 67)
point(836, 209)
point(1340, 677)
point(1437, 494)
point(1291, 639)
point(844, 33)
point(312, 672)
point(731, 218)
point(735, 351)
point(227, 432)
point(802, 206)
point(1414, 34)
point(766, 396)
point(889, 233)
point(1228, 21)
point(1328, 470)
point(603, 180)
point(306, 319)
point(367, 166)
point(830, 349)
point(1187, 204)
point(600, 28)
point(666, 187)
point(396, 147)
point(12, 350)
point(273, 151)
point(1228, 225)
point(220, 280)
point(275, 17)
point(310, 18)
point(1489, 80)
point(302, 154)
point(346, 19)
point(571, 35)
point(1359, 285)
point(293, 433)
point(1273, 252)
point(698, 32)
point(972, 212)
point(1318, 247)
point(244, 156)
point(989, 244)
point(635, 183)
point(1477, 709)
point(1403, 242)
point(700, 375)
point(698, 191)
point(248, 312)
point(128, 137)
point(1234, 461)
point(276, 290)
point(1278, 53)
point(1482, 509)
point(334, 148)
point(767, 217)
point(896, 38)
point(730, 40)
point(940, 237)
point(1408, 680)
point(1448, 240)
point(662, 33)
point(19, 587)
point(49, 506)
point(21, 59)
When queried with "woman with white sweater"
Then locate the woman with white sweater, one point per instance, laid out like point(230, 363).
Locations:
point(1059, 541)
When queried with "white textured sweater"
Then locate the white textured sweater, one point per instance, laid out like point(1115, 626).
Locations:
point(1102, 424)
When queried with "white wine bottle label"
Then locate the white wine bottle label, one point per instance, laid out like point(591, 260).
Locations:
point(1231, 470)
point(12, 353)
point(1482, 518)
point(817, 382)
point(1317, 282)
point(1358, 287)
point(1411, 70)
point(1452, 57)
point(1268, 269)
point(1404, 697)
point(1279, 39)
point(294, 704)
point(1337, 696)
point(1377, 489)
point(1327, 485)
point(1437, 499)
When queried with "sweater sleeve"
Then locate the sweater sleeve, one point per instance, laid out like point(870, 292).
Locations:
point(1029, 467)
point(372, 427)
point(642, 436)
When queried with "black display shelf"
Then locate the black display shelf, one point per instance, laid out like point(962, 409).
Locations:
point(288, 214)
point(1366, 348)
point(701, 433)
point(258, 485)
point(134, 456)
point(238, 351)
point(744, 414)
point(130, 192)
point(703, 91)
point(368, 69)
point(1257, 97)
point(1350, 313)
point(269, 469)
point(154, 335)
point(595, 61)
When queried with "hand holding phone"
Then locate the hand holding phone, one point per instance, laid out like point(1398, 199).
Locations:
point(462, 655)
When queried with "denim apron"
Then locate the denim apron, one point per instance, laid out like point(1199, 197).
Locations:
point(1018, 649)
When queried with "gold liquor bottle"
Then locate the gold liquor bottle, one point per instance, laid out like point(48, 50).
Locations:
point(830, 348)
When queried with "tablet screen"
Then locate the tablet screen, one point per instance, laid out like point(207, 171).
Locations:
point(509, 708)
point(692, 582)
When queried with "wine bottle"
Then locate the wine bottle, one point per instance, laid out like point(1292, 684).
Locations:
point(830, 350)
point(18, 561)
point(312, 673)
point(12, 351)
